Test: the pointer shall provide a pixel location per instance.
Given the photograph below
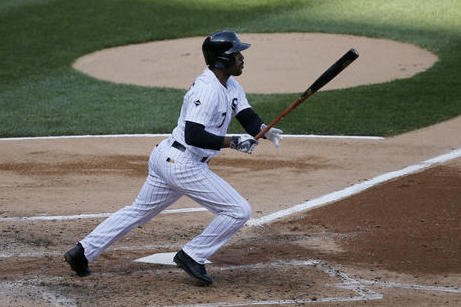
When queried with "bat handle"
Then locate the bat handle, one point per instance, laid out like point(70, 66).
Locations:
point(264, 131)
point(298, 101)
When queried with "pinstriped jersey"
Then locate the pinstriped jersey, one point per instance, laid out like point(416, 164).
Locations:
point(209, 103)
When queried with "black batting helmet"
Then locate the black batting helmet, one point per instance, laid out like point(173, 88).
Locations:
point(219, 46)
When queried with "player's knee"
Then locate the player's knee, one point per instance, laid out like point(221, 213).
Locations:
point(244, 212)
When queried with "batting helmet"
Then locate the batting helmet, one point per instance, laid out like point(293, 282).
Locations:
point(219, 46)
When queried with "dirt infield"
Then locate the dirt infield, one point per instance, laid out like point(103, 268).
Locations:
point(397, 243)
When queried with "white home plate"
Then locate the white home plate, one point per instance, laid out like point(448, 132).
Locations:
point(160, 258)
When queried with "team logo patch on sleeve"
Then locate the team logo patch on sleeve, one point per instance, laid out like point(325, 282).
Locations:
point(197, 102)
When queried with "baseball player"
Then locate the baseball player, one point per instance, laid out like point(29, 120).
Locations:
point(179, 164)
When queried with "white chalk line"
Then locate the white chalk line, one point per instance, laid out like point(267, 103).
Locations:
point(389, 284)
point(86, 216)
point(308, 136)
point(354, 189)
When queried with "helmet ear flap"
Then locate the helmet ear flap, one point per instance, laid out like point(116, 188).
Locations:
point(223, 62)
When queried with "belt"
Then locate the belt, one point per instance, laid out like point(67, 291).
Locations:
point(182, 148)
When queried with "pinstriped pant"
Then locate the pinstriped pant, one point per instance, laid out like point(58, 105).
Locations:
point(167, 181)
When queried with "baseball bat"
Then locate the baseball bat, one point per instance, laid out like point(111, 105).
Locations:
point(326, 77)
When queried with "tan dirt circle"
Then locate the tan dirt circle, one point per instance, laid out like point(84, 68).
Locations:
point(275, 63)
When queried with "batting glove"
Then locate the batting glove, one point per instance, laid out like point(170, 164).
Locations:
point(244, 143)
point(273, 134)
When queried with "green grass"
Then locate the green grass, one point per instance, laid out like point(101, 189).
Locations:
point(40, 94)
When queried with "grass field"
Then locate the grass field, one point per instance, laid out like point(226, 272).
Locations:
point(40, 94)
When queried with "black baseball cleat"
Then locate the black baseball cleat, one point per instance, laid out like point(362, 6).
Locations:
point(77, 260)
point(193, 268)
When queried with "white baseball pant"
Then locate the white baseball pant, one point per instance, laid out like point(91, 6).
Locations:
point(173, 173)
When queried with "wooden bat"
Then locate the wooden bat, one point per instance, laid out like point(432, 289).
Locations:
point(326, 77)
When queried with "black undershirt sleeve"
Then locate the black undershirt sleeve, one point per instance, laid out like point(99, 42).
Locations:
point(196, 135)
point(250, 121)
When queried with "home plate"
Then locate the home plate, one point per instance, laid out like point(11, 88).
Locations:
point(160, 258)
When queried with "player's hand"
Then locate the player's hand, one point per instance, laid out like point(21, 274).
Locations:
point(244, 143)
point(273, 134)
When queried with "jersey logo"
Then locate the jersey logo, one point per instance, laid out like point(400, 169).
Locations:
point(197, 102)
point(234, 104)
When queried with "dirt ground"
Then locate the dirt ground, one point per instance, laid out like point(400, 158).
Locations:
point(398, 243)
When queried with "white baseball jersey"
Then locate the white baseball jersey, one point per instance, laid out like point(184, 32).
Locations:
point(177, 171)
point(212, 105)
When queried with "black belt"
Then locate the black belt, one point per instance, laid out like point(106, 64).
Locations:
point(178, 146)
point(182, 148)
